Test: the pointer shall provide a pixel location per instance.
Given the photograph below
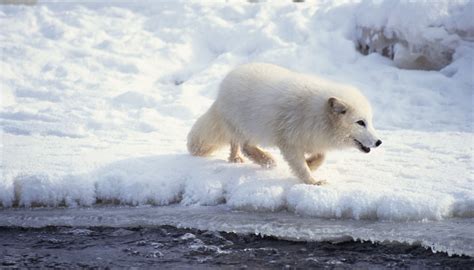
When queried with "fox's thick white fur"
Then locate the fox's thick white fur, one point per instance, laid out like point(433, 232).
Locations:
point(264, 104)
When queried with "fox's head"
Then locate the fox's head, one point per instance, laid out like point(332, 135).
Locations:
point(352, 121)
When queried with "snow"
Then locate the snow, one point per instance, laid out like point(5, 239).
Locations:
point(418, 34)
point(97, 100)
point(412, 188)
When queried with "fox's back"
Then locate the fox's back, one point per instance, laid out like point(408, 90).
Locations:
point(252, 97)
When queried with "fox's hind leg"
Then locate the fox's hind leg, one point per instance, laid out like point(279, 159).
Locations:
point(235, 156)
point(258, 156)
point(314, 161)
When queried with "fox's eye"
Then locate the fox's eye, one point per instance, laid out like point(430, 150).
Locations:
point(361, 122)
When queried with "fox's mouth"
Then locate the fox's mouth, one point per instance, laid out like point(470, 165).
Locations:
point(361, 147)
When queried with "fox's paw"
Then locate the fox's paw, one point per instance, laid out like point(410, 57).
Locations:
point(237, 159)
point(317, 182)
point(267, 162)
point(321, 183)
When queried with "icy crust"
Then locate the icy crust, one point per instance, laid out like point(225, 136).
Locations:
point(451, 236)
point(380, 186)
point(416, 35)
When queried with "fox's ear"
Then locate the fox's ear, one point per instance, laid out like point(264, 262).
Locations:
point(337, 106)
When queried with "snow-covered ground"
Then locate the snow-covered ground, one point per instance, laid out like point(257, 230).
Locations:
point(97, 100)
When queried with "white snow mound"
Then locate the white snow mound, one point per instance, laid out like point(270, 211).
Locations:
point(170, 179)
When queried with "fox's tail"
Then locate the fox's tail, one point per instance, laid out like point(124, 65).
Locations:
point(208, 134)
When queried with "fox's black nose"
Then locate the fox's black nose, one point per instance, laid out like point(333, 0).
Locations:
point(377, 143)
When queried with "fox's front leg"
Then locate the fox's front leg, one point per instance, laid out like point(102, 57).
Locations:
point(235, 156)
point(298, 165)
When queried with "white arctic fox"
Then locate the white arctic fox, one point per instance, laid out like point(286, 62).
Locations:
point(304, 116)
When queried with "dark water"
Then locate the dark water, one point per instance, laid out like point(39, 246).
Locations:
point(173, 248)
